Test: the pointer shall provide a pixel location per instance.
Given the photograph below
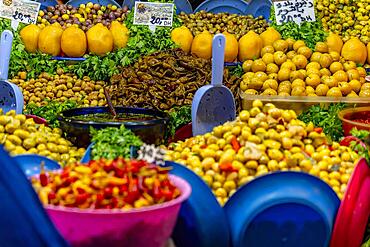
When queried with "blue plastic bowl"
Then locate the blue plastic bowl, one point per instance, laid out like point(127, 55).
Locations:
point(239, 7)
point(202, 221)
point(31, 163)
point(260, 8)
point(282, 209)
point(76, 3)
point(78, 132)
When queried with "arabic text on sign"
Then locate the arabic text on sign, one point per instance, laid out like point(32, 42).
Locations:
point(297, 11)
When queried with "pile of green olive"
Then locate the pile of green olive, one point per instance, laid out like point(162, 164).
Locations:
point(21, 135)
point(218, 23)
point(262, 140)
point(61, 87)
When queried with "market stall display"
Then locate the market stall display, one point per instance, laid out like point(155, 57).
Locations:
point(288, 67)
point(218, 23)
point(168, 79)
point(287, 79)
point(83, 16)
point(122, 196)
point(150, 125)
point(61, 88)
point(261, 140)
point(20, 135)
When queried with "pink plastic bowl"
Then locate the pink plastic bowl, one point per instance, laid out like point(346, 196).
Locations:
point(145, 227)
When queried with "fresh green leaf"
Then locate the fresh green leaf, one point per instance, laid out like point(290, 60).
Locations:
point(110, 143)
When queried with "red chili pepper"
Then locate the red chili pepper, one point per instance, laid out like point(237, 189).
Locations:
point(157, 194)
point(43, 178)
point(235, 144)
point(81, 198)
point(114, 202)
point(227, 167)
point(108, 192)
point(99, 198)
point(133, 192)
point(318, 130)
point(81, 191)
point(168, 194)
point(52, 196)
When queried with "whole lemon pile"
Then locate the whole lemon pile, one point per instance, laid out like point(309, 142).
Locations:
point(275, 66)
point(347, 18)
point(20, 135)
point(262, 140)
point(72, 41)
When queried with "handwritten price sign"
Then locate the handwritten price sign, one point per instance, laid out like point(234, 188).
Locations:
point(153, 14)
point(20, 11)
point(297, 11)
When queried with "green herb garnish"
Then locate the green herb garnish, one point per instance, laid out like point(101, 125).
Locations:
point(111, 143)
point(179, 116)
point(326, 118)
point(309, 32)
point(50, 111)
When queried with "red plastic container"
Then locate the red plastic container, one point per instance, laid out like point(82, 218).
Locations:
point(348, 115)
point(183, 133)
point(145, 227)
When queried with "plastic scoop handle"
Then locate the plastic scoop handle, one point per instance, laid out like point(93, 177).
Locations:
point(5, 50)
point(218, 54)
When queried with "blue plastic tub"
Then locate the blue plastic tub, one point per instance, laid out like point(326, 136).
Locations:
point(282, 209)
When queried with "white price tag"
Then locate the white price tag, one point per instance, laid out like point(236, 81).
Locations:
point(297, 11)
point(153, 14)
point(20, 10)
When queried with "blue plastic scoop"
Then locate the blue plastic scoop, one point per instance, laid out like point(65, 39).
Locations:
point(213, 104)
point(11, 97)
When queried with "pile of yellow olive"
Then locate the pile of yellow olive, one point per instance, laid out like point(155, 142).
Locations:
point(20, 135)
point(262, 140)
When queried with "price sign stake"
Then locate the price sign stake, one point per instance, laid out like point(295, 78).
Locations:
point(153, 14)
point(19, 11)
point(297, 11)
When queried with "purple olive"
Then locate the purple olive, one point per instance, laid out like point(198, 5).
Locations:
point(117, 14)
point(105, 16)
point(46, 17)
point(69, 7)
point(88, 22)
point(112, 16)
point(89, 16)
point(50, 14)
point(52, 21)
point(59, 19)
point(104, 22)
point(63, 11)
point(57, 12)
point(93, 11)
point(125, 8)
point(61, 23)
point(69, 21)
point(83, 28)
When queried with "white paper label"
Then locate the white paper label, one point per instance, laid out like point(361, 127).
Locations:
point(297, 11)
point(20, 11)
point(153, 14)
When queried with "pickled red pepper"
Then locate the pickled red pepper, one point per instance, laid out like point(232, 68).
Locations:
point(106, 184)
